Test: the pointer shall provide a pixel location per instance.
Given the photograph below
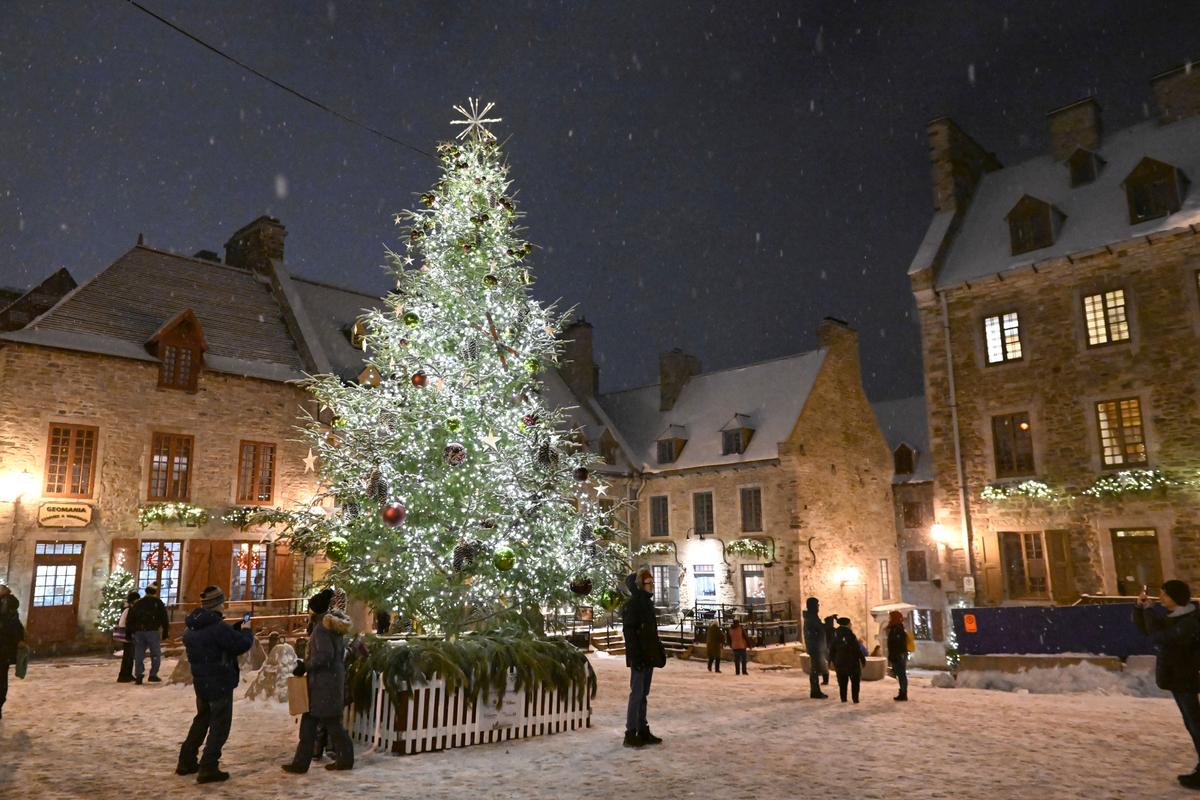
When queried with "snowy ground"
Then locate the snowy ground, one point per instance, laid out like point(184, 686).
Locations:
point(70, 731)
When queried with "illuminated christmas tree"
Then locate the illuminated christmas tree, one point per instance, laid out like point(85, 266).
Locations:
point(462, 500)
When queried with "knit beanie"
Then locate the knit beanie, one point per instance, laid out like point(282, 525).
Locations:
point(211, 597)
point(1178, 591)
point(319, 603)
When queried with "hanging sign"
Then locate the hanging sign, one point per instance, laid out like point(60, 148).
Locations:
point(59, 514)
point(970, 625)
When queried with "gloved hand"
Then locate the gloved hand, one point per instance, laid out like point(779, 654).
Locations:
point(300, 669)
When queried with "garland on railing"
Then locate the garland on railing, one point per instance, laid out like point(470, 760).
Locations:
point(1131, 481)
point(752, 548)
point(163, 513)
point(245, 516)
point(479, 663)
point(653, 549)
point(1025, 490)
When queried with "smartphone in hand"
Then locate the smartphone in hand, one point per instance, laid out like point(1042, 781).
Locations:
point(245, 617)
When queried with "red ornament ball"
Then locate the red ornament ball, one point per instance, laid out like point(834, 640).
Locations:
point(394, 514)
point(582, 586)
point(581, 474)
point(530, 420)
point(420, 379)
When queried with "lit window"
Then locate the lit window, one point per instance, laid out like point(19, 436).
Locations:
point(256, 472)
point(160, 564)
point(885, 580)
point(1122, 440)
point(706, 582)
point(170, 467)
point(178, 368)
point(1106, 319)
point(1003, 333)
point(70, 460)
point(1012, 445)
point(248, 579)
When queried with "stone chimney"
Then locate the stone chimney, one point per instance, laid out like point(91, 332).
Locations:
point(256, 246)
point(674, 370)
point(958, 164)
point(1074, 126)
point(1177, 92)
point(579, 368)
point(834, 332)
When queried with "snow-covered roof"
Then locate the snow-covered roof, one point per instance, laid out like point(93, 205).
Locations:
point(332, 311)
point(772, 393)
point(131, 299)
point(1096, 213)
point(904, 421)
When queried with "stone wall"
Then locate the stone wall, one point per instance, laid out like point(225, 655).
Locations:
point(39, 386)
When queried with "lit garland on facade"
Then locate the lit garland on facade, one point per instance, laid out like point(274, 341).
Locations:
point(164, 513)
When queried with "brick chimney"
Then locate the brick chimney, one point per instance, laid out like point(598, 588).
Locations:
point(958, 164)
point(256, 246)
point(674, 370)
point(1074, 126)
point(579, 368)
point(1177, 92)
point(834, 332)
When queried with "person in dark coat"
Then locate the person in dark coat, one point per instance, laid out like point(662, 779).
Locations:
point(714, 644)
point(126, 673)
point(212, 651)
point(817, 647)
point(643, 653)
point(12, 633)
point(830, 630)
point(147, 618)
point(325, 666)
point(897, 652)
point(383, 622)
point(1177, 636)
point(848, 659)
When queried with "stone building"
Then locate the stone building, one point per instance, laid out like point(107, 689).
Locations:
point(760, 485)
point(926, 586)
point(164, 382)
point(1059, 304)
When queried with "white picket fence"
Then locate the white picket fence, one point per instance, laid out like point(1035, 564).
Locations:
point(429, 717)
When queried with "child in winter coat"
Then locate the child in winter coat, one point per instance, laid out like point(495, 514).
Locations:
point(848, 659)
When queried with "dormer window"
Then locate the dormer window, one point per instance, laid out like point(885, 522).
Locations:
point(735, 435)
point(1154, 189)
point(608, 447)
point(671, 443)
point(904, 459)
point(179, 345)
point(1084, 166)
point(1032, 224)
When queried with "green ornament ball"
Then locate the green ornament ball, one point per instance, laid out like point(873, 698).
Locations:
point(453, 424)
point(491, 281)
point(411, 319)
point(336, 549)
point(533, 364)
point(504, 558)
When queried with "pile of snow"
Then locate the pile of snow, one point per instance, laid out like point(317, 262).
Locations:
point(182, 674)
point(942, 680)
point(253, 658)
point(270, 684)
point(1082, 678)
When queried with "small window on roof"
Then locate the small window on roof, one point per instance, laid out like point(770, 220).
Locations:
point(179, 346)
point(905, 459)
point(1084, 166)
point(1154, 189)
point(1032, 224)
point(666, 451)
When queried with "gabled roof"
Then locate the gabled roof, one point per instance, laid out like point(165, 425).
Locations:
point(1097, 210)
point(772, 392)
point(333, 311)
point(737, 422)
point(904, 421)
point(120, 309)
point(188, 317)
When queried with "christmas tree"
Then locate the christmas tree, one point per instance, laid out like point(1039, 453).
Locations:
point(462, 501)
point(112, 597)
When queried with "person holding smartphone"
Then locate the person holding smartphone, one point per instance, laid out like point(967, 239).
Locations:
point(1175, 630)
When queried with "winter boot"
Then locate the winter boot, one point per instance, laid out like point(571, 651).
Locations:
point(648, 737)
point(138, 681)
point(294, 769)
point(336, 766)
point(187, 769)
point(902, 697)
point(818, 696)
point(633, 740)
point(211, 776)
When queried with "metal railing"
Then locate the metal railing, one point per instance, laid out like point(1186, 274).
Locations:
point(287, 616)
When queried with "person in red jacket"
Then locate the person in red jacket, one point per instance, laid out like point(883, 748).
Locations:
point(739, 642)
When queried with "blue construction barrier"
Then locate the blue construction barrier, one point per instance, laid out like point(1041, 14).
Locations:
point(1099, 629)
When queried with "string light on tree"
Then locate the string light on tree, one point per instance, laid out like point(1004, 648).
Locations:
point(457, 483)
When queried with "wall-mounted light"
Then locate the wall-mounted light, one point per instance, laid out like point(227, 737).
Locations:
point(942, 534)
point(848, 575)
point(16, 485)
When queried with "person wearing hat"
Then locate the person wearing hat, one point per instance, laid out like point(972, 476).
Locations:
point(817, 647)
point(212, 651)
point(324, 664)
point(12, 633)
point(1176, 633)
point(848, 659)
point(899, 645)
point(147, 617)
point(643, 653)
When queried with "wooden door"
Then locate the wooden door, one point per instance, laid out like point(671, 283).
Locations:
point(54, 609)
point(281, 572)
point(1137, 561)
point(208, 563)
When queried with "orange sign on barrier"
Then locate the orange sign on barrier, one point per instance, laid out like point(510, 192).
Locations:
point(969, 623)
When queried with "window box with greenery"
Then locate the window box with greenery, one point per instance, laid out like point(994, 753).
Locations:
point(1132, 483)
point(655, 549)
point(1023, 493)
point(749, 548)
point(243, 517)
point(167, 513)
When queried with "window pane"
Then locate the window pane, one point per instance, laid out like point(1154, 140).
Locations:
point(1014, 564)
point(702, 512)
point(751, 509)
point(1121, 437)
point(706, 582)
point(918, 565)
point(914, 515)
point(995, 340)
point(266, 472)
point(666, 451)
point(922, 624)
point(1114, 306)
point(1093, 313)
point(160, 453)
point(659, 517)
point(885, 579)
point(1012, 336)
point(54, 585)
point(248, 578)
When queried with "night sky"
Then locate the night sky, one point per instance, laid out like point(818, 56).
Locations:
point(716, 177)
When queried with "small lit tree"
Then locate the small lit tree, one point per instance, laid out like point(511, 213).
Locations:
point(112, 597)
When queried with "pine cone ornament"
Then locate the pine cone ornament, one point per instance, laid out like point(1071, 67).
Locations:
point(547, 456)
point(587, 538)
point(454, 454)
point(582, 586)
point(350, 510)
point(464, 555)
point(377, 488)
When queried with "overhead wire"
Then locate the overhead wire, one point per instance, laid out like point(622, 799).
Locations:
point(294, 92)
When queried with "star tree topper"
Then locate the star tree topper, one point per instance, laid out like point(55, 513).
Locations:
point(474, 120)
